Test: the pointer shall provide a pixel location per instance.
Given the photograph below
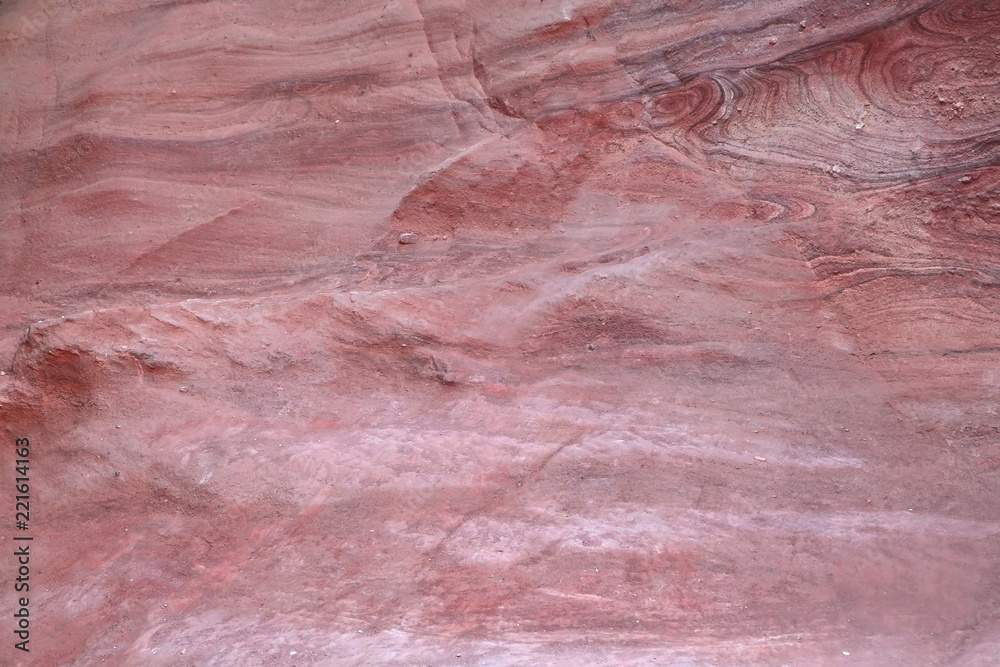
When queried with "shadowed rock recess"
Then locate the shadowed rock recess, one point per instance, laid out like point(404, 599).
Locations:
point(479, 332)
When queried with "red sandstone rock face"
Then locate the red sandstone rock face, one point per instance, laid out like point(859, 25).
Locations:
point(694, 360)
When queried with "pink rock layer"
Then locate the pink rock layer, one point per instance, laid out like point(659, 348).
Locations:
point(694, 360)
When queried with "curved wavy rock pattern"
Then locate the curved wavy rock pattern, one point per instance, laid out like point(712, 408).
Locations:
point(884, 108)
point(693, 360)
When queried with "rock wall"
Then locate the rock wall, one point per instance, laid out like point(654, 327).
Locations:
point(688, 355)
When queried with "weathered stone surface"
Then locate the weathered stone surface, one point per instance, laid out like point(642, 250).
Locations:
point(695, 362)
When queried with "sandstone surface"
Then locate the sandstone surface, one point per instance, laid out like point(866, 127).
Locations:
point(690, 355)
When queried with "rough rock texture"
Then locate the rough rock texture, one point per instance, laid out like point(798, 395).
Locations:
point(694, 358)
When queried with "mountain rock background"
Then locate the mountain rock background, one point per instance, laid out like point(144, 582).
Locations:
point(693, 358)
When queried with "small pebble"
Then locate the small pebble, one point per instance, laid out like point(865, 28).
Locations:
point(407, 238)
point(2, 373)
point(184, 390)
point(591, 347)
point(760, 458)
